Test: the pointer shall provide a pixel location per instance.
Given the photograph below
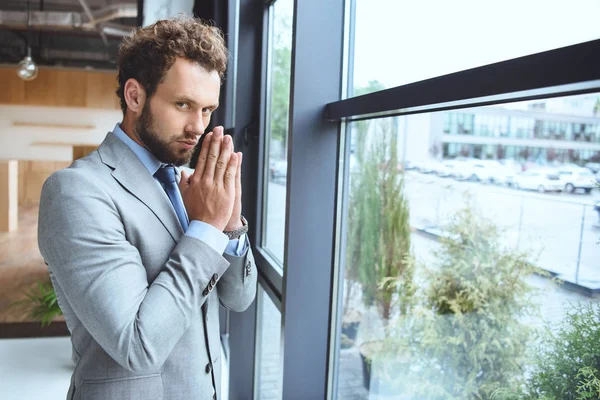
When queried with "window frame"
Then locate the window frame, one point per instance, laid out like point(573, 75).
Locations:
point(307, 293)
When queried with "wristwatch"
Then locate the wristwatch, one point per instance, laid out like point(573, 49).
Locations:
point(238, 232)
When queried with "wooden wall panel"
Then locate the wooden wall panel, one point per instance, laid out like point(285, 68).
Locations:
point(13, 89)
point(101, 91)
point(57, 88)
point(60, 88)
point(32, 175)
point(82, 151)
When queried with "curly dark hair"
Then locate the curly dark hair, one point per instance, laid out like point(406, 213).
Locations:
point(150, 51)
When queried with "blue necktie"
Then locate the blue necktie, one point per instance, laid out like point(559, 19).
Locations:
point(166, 176)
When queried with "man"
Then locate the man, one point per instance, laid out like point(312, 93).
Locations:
point(140, 263)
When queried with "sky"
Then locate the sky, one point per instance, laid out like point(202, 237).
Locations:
point(399, 42)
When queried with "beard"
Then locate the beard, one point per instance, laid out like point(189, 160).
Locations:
point(158, 146)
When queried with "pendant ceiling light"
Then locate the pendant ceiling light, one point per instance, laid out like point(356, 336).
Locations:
point(27, 68)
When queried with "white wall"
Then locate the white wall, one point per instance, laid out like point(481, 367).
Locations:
point(16, 142)
point(418, 130)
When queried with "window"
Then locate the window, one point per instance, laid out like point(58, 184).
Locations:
point(280, 55)
point(440, 294)
point(268, 368)
point(399, 42)
point(320, 232)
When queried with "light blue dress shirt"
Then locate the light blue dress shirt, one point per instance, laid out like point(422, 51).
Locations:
point(196, 229)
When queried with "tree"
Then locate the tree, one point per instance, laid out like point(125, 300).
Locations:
point(551, 154)
point(281, 75)
point(568, 362)
point(468, 339)
point(362, 127)
point(378, 224)
point(500, 152)
point(359, 143)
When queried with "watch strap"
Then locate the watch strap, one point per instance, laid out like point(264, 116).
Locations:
point(235, 234)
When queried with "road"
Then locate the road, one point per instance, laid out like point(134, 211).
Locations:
point(557, 230)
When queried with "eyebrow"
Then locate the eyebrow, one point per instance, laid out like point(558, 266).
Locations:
point(185, 99)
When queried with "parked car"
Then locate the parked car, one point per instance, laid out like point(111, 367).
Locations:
point(474, 170)
point(277, 169)
point(540, 179)
point(593, 166)
point(427, 166)
point(409, 165)
point(576, 178)
point(486, 171)
point(502, 175)
point(449, 168)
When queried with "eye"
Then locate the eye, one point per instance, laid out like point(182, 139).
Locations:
point(183, 105)
point(207, 111)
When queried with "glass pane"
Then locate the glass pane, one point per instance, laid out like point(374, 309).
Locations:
point(399, 42)
point(470, 254)
point(268, 376)
point(277, 126)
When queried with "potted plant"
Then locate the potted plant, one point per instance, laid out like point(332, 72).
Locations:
point(41, 303)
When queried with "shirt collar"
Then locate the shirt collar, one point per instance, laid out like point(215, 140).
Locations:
point(151, 163)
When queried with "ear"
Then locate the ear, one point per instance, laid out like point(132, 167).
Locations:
point(135, 95)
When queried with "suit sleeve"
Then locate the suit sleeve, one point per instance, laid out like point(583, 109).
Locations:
point(82, 239)
point(237, 287)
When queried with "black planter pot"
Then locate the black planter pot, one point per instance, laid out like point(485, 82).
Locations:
point(372, 383)
point(350, 329)
point(366, 371)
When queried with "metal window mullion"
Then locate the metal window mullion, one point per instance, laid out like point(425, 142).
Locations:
point(564, 69)
point(242, 333)
point(313, 145)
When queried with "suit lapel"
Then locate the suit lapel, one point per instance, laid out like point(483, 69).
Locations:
point(135, 178)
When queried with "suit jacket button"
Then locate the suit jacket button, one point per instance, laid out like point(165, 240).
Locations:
point(205, 292)
point(208, 368)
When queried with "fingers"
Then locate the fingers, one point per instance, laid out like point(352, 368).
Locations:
point(184, 182)
point(214, 151)
point(222, 162)
point(230, 173)
point(238, 176)
point(201, 163)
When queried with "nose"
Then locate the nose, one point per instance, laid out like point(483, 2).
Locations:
point(196, 124)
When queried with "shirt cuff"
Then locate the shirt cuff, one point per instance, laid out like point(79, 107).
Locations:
point(207, 233)
point(237, 247)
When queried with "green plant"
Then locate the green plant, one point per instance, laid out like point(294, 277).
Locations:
point(359, 141)
point(378, 224)
point(588, 386)
point(470, 341)
point(41, 303)
point(568, 359)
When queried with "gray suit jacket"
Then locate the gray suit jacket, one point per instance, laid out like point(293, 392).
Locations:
point(140, 298)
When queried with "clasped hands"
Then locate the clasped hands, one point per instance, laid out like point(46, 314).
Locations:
point(213, 192)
